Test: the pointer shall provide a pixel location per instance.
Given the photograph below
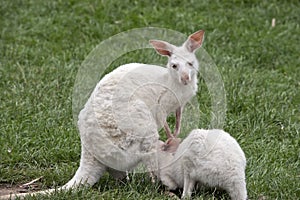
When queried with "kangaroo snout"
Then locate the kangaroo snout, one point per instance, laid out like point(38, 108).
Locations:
point(185, 78)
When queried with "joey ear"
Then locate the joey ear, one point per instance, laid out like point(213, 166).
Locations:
point(194, 41)
point(162, 47)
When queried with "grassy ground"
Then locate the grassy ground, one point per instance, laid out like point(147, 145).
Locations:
point(42, 44)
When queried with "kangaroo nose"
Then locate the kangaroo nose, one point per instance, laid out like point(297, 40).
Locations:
point(185, 78)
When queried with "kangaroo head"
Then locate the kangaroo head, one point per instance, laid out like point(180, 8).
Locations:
point(182, 62)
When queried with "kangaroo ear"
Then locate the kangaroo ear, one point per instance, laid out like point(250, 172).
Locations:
point(162, 47)
point(194, 41)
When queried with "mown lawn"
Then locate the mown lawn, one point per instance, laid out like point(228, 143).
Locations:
point(42, 46)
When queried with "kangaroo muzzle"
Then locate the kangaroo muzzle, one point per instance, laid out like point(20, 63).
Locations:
point(185, 78)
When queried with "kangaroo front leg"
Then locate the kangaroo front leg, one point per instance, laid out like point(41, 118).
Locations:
point(168, 130)
point(177, 124)
point(178, 121)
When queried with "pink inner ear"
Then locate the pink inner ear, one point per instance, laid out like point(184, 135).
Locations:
point(196, 40)
point(161, 48)
point(197, 37)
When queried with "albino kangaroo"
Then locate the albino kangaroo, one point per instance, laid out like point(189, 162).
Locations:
point(209, 157)
point(119, 124)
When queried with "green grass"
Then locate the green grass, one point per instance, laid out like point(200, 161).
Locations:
point(43, 43)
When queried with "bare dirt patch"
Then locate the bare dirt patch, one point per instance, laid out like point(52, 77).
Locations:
point(31, 186)
point(9, 189)
point(6, 189)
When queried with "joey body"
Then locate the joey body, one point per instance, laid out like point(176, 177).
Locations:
point(209, 157)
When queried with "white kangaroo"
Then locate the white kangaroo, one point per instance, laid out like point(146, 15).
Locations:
point(119, 123)
point(209, 157)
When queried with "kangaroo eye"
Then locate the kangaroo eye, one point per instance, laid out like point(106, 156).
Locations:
point(174, 66)
point(190, 64)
